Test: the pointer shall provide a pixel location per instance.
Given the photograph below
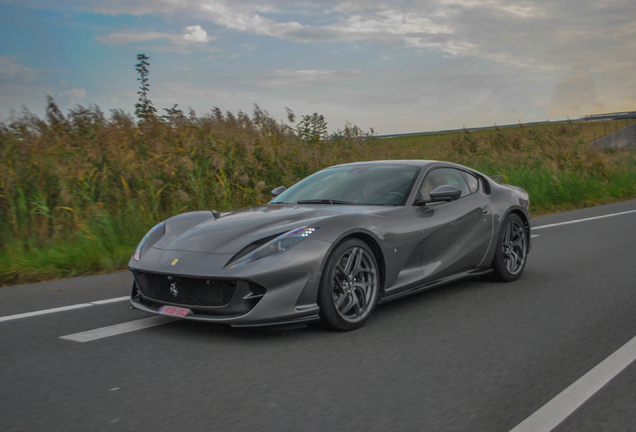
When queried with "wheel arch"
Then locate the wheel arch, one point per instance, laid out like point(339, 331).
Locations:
point(329, 313)
point(375, 248)
point(526, 222)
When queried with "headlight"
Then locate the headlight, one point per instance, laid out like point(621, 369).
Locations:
point(143, 241)
point(278, 245)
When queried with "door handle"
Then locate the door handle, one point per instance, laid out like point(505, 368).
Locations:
point(485, 210)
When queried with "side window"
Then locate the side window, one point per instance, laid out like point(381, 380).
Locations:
point(441, 177)
point(471, 180)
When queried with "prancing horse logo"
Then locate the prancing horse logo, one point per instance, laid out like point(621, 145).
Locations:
point(173, 289)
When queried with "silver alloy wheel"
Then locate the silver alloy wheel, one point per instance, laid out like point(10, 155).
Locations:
point(355, 284)
point(515, 247)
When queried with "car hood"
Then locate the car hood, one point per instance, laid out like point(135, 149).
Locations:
point(235, 230)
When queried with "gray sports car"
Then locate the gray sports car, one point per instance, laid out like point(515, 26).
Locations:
point(334, 245)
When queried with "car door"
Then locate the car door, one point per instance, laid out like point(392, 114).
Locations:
point(456, 234)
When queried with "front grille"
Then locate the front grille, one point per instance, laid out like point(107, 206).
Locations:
point(189, 291)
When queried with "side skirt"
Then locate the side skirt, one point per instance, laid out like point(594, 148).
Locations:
point(301, 320)
point(439, 282)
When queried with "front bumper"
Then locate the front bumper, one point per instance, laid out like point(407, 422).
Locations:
point(275, 290)
point(236, 312)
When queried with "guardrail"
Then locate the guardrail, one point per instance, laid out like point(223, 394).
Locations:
point(611, 116)
point(594, 117)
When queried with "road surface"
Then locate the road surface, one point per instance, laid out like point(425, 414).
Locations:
point(542, 353)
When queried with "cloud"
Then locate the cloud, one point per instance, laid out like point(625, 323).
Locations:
point(193, 35)
point(574, 96)
point(549, 35)
point(168, 93)
point(21, 85)
point(196, 34)
point(115, 7)
point(128, 38)
point(450, 60)
point(18, 83)
point(74, 95)
point(389, 25)
point(304, 78)
point(232, 18)
point(552, 35)
point(12, 73)
point(523, 9)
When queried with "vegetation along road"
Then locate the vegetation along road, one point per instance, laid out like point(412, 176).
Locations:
point(77, 192)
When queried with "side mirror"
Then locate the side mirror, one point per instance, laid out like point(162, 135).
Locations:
point(279, 190)
point(445, 193)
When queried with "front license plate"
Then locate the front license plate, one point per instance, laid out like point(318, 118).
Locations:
point(174, 311)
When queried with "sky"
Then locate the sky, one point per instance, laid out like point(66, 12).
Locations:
point(396, 66)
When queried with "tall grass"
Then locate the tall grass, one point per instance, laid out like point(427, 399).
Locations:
point(78, 191)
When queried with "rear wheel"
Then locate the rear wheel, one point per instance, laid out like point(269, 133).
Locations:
point(349, 287)
point(512, 250)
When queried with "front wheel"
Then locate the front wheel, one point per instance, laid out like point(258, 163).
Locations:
point(349, 286)
point(512, 250)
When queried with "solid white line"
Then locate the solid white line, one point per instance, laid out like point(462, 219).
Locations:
point(534, 235)
point(44, 312)
point(117, 329)
point(583, 220)
point(111, 300)
point(62, 309)
point(566, 402)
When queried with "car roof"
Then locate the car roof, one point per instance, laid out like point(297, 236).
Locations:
point(423, 163)
point(413, 162)
point(426, 164)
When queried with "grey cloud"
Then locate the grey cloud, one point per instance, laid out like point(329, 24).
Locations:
point(574, 96)
point(567, 33)
point(314, 34)
point(528, 47)
point(73, 96)
point(12, 73)
point(16, 85)
point(19, 86)
point(114, 7)
point(552, 35)
point(193, 36)
point(128, 38)
point(283, 79)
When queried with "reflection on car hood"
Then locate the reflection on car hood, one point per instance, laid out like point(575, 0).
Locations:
point(235, 230)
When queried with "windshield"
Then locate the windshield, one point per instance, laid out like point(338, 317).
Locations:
point(362, 184)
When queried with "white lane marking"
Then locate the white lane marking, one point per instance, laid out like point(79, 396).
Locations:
point(534, 235)
point(583, 220)
point(44, 312)
point(117, 329)
point(111, 300)
point(62, 309)
point(565, 403)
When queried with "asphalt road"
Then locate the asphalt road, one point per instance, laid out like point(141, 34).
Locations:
point(472, 356)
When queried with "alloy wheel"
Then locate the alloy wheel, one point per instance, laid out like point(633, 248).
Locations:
point(355, 284)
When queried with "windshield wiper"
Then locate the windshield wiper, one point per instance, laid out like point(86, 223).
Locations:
point(325, 201)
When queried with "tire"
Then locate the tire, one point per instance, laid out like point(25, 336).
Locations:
point(511, 251)
point(349, 286)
